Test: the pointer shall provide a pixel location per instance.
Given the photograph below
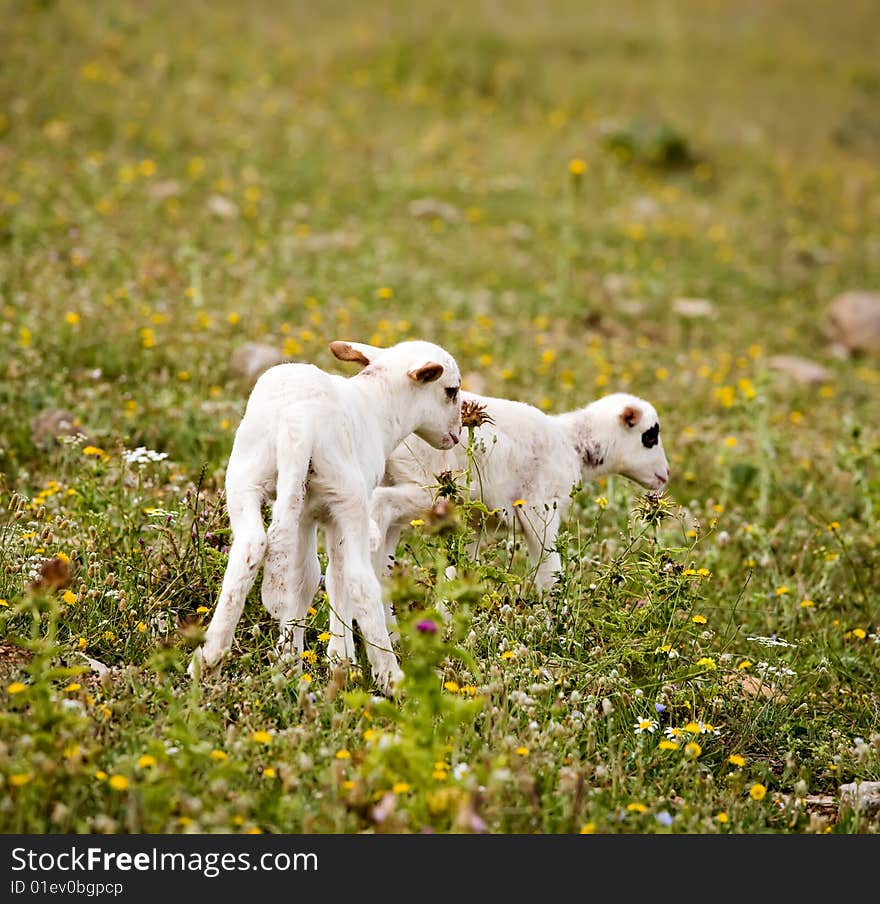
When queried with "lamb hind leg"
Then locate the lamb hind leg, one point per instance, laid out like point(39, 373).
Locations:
point(341, 644)
point(293, 589)
point(363, 594)
point(248, 548)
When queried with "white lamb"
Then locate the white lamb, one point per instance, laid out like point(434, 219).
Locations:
point(317, 443)
point(525, 457)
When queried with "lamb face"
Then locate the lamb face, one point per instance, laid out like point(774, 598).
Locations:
point(430, 388)
point(635, 447)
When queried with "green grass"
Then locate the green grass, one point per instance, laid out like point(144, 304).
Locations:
point(176, 182)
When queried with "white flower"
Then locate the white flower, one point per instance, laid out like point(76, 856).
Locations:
point(643, 725)
point(777, 671)
point(142, 455)
point(771, 641)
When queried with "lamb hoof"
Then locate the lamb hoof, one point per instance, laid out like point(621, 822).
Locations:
point(388, 678)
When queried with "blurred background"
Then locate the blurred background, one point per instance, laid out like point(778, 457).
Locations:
point(536, 185)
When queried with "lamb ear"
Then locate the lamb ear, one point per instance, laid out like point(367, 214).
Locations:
point(354, 351)
point(630, 416)
point(427, 373)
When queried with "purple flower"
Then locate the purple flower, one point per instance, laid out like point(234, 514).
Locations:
point(664, 818)
point(427, 626)
point(659, 708)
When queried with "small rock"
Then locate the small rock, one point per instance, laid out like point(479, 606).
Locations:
point(693, 307)
point(853, 320)
point(519, 232)
point(802, 370)
point(167, 188)
point(331, 241)
point(49, 425)
point(54, 575)
point(635, 307)
point(222, 207)
point(432, 209)
point(861, 796)
point(253, 358)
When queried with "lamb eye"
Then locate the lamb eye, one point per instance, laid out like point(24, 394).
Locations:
point(451, 393)
point(651, 436)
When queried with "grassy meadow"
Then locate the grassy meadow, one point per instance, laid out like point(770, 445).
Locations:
point(533, 186)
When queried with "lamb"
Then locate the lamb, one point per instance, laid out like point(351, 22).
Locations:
point(316, 443)
point(526, 463)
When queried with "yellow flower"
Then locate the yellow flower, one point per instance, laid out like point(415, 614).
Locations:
point(324, 636)
point(219, 755)
point(722, 818)
point(667, 745)
point(400, 788)
point(507, 654)
point(693, 728)
point(522, 751)
point(146, 760)
point(519, 503)
point(730, 441)
point(69, 597)
point(384, 292)
point(636, 808)
point(309, 656)
point(72, 751)
point(201, 610)
point(4, 602)
point(736, 760)
point(73, 687)
point(860, 633)
point(118, 782)
point(343, 755)
point(699, 619)
point(72, 318)
point(416, 522)
point(19, 779)
point(601, 501)
point(745, 664)
point(781, 591)
point(261, 737)
point(577, 167)
point(94, 452)
point(588, 828)
point(269, 772)
point(757, 791)
point(451, 686)
point(807, 604)
point(707, 661)
point(15, 688)
point(693, 748)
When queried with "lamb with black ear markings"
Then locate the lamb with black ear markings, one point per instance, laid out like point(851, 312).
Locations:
point(524, 455)
point(317, 443)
